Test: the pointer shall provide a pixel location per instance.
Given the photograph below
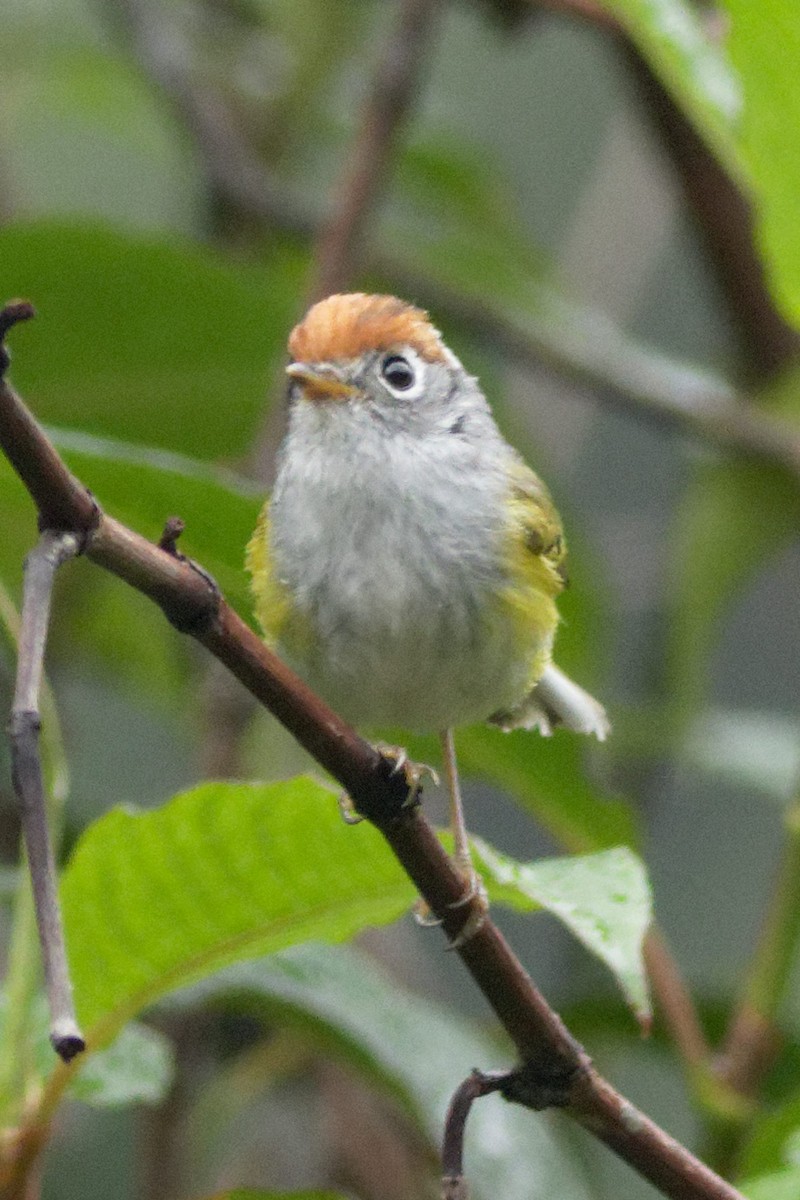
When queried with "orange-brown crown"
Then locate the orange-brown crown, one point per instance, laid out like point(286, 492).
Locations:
point(342, 327)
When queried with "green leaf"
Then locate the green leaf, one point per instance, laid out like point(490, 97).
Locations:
point(416, 1049)
point(764, 46)
point(604, 899)
point(142, 487)
point(155, 900)
point(774, 1140)
point(147, 340)
point(693, 69)
point(136, 1068)
point(445, 191)
point(781, 1185)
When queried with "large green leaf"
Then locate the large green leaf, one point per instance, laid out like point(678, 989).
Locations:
point(143, 487)
point(764, 46)
point(693, 69)
point(418, 1050)
point(604, 899)
point(224, 872)
point(152, 341)
point(135, 1068)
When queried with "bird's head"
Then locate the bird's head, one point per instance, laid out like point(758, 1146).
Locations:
point(380, 356)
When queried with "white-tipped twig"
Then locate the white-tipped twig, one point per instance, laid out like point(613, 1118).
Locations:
point(53, 549)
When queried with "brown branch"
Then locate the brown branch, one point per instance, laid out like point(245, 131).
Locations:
point(675, 1002)
point(190, 601)
point(476, 1085)
point(395, 86)
point(723, 217)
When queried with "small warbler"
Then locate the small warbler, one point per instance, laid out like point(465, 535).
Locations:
point(408, 561)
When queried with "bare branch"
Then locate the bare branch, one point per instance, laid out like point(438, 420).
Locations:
point(548, 1051)
point(476, 1085)
point(394, 87)
point(40, 569)
point(675, 1002)
point(724, 219)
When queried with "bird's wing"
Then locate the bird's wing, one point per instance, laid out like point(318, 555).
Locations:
point(272, 602)
point(538, 526)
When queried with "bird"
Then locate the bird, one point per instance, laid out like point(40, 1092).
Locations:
point(408, 561)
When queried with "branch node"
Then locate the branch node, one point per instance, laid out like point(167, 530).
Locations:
point(173, 528)
point(196, 620)
point(543, 1083)
point(477, 1084)
point(11, 314)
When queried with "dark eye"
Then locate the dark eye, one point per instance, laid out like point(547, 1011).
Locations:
point(398, 372)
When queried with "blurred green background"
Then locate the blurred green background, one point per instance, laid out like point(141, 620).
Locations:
point(545, 177)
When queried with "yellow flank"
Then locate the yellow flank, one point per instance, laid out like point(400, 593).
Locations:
point(272, 601)
point(535, 561)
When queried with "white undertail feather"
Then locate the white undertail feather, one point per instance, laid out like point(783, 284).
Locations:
point(558, 701)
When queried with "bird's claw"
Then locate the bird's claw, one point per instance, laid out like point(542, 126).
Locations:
point(413, 772)
point(348, 810)
point(475, 894)
point(423, 915)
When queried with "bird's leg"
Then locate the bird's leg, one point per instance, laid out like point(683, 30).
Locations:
point(461, 851)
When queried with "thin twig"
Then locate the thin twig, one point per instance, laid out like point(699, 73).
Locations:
point(675, 1002)
point(546, 1048)
point(40, 570)
point(754, 1039)
point(395, 85)
point(725, 221)
point(476, 1085)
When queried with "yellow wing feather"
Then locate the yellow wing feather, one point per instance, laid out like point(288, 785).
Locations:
point(272, 603)
point(535, 561)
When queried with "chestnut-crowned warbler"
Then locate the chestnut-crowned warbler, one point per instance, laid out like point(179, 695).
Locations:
point(408, 561)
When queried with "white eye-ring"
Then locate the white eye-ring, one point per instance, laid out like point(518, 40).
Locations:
point(403, 375)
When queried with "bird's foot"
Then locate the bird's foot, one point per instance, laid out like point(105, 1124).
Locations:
point(350, 815)
point(414, 773)
point(475, 896)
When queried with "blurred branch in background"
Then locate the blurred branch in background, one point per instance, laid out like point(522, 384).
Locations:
point(725, 223)
point(579, 342)
point(395, 86)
